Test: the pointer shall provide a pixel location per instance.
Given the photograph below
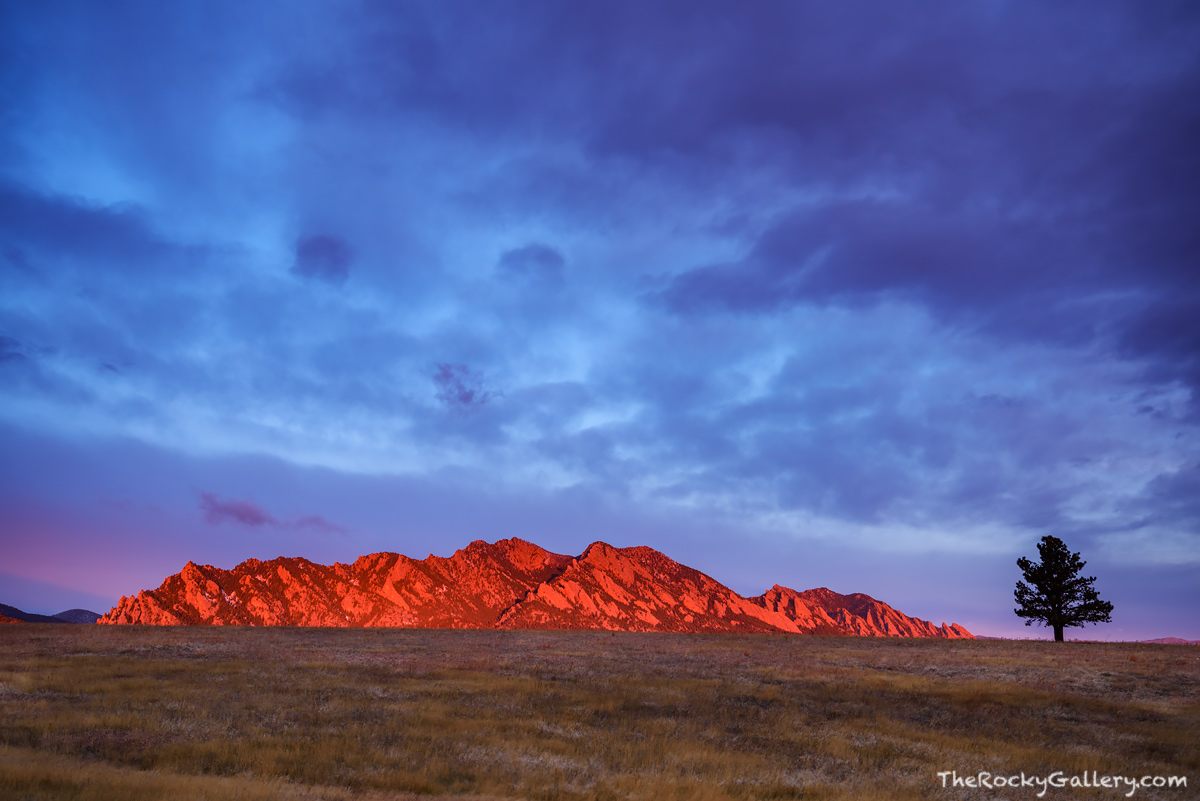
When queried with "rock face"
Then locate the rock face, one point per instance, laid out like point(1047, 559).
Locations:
point(852, 614)
point(511, 584)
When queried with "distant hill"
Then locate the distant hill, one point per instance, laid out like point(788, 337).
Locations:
point(1173, 641)
point(79, 616)
point(27, 617)
point(69, 616)
point(510, 584)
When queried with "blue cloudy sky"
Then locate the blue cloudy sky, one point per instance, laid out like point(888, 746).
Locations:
point(864, 295)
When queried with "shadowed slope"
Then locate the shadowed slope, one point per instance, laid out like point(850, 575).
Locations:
point(21, 616)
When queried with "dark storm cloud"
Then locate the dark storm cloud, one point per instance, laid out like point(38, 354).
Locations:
point(1082, 269)
point(323, 257)
point(1166, 335)
point(860, 250)
point(576, 69)
point(1029, 167)
point(110, 236)
point(832, 268)
point(1173, 499)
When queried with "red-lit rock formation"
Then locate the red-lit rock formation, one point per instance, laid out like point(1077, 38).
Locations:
point(820, 610)
point(638, 589)
point(6, 619)
point(511, 584)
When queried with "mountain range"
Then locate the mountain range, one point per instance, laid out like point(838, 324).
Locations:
point(11, 614)
point(509, 584)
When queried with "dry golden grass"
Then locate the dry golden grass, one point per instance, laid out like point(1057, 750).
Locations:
point(94, 712)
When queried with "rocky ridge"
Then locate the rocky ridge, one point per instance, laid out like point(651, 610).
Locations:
point(510, 584)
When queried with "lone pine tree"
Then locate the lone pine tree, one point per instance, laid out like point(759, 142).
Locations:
point(1059, 596)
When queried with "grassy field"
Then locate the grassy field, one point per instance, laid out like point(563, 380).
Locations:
point(94, 712)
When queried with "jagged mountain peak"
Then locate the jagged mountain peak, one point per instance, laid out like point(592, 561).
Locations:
point(510, 583)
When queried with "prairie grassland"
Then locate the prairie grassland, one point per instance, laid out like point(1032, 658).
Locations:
point(95, 712)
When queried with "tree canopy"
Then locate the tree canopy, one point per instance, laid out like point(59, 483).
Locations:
point(1056, 594)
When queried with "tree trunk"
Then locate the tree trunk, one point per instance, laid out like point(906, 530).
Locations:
point(1058, 634)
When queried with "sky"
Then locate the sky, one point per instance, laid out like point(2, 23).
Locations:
point(858, 295)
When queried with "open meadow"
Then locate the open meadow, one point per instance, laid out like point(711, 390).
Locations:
point(97, 712)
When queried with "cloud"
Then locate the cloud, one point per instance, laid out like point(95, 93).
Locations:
point(323, 257)
point(115, 237)
point(534, 262)
point(1164, 335)
point(459, 388)
point(246, 513)
point(319, 525)
point(1172, 500)
point(11, 350)
point(915, 271)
